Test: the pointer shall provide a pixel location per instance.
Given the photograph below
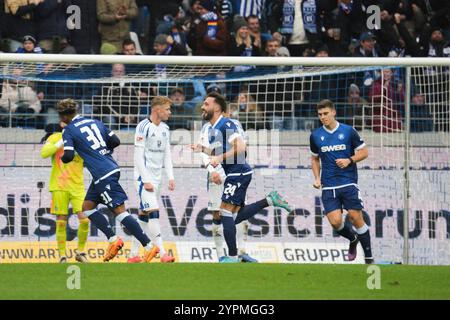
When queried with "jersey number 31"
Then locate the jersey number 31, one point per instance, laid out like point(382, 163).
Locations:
point(94, 136)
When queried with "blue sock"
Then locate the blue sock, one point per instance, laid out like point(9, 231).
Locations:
point(364, 239)
point(143, 217)
point(100, 222)
point(250, 210)
point(154, 215)
point(133, 227)
point(229, 232)
point(346, 232)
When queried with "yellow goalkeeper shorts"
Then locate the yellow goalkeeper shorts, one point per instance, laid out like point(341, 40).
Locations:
point(61, 200)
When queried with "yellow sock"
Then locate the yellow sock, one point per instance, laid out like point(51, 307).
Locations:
point(61, 236)
point(83, 230)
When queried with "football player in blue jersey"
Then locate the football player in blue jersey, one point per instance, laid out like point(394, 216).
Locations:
point(94, 142)
point(335, 149)
point(227, 147)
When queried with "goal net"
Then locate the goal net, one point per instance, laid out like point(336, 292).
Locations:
point(401, 113)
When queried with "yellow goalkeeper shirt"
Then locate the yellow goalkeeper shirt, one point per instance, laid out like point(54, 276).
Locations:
point(64, 176)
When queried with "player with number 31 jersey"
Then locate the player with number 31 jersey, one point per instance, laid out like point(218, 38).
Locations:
point(94, 142)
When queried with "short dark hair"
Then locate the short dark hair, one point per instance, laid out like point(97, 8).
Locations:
point(127, 42)
point(177, 90)
point(325, 104)
point(252, 16)
point(219, 99)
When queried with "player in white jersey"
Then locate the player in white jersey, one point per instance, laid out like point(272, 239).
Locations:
point(215, 192)
point(152, 152)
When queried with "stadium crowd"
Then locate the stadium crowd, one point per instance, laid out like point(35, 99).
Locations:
point(228, 27)
point(219, 28)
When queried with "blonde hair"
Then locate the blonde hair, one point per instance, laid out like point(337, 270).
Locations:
point(160, 101)
point(240, 40)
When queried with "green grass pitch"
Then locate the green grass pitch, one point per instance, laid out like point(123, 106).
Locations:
point(187, 281)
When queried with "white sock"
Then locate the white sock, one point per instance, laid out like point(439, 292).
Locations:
point(135, 244)
point(240, 237)
point(217, 231)
point(155, 235)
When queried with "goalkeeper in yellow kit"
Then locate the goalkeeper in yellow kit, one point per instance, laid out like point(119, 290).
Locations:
point(66, 185)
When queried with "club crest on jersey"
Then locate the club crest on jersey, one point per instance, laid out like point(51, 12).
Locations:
point(322, 138)
point(108, 187)
point(341, 136)
point(164, 134)
point(159, 143)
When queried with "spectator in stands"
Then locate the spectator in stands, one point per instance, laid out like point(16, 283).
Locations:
point(165, 45)
point(158, 10)
point(367, 47)
point(193, 22)
point(409, 44)
point(333, 41)
point(51, 23)
point(209, 37)
point(182, 113)
point(29, 46)
point(225, 10)
point(357, 109)
point(243, 44)
point(129, 48)
point(387, 98)
point(115, 19)
point(108, 48)
point(118, 103)
point(322, 51)
point(272, 46)
point(438, 46)
point(220, 88)
point(246, 110)
point(350, 20)
point(254, 28)
point(421, 118)
point(167, 21)
point(436, 12)
point(19, 99)
point(299, 25)
point(282, 51)
point(86, 39)
point(20, 21)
